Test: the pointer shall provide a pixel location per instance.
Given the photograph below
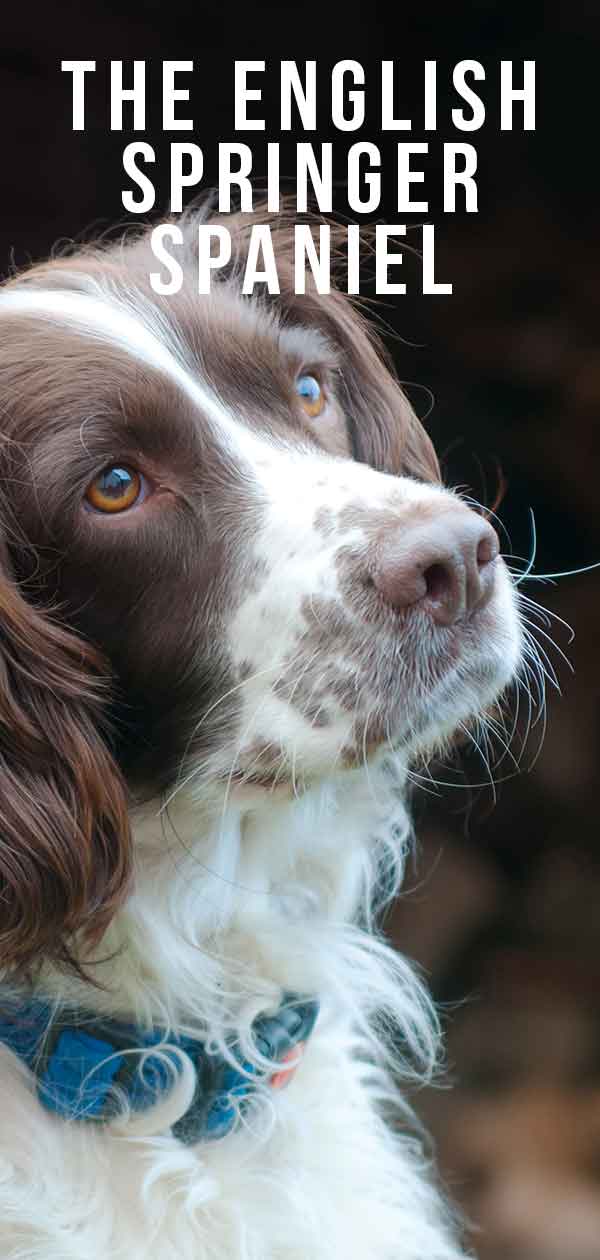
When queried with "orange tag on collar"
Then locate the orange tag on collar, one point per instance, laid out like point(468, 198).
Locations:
point(282, 1078)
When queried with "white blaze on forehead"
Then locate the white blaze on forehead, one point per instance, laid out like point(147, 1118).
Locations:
point(296, 479)
point(108, 319)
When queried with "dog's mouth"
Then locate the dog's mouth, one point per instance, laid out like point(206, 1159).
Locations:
point(355, 688)
point(450, 687)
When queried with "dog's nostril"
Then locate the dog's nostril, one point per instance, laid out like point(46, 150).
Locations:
point(442, 566)
point(487, 549)
point(438, 578)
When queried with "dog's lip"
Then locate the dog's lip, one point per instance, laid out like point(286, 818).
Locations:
point(463, 653)
point(458, 643)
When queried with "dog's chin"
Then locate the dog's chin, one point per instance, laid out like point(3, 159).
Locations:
point(414, 713)
point(413, 727)
point(443, 721)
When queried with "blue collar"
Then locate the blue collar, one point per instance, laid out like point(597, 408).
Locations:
point(77, 1059)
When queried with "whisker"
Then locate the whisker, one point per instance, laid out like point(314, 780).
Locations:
point(527, 570)
point(547, 613)
point(546, 577)
point(552, 643)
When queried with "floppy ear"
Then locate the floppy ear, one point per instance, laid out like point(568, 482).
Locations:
point(64, 830)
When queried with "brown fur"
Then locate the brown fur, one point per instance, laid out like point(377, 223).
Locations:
point(111, 644)
point(65, 850)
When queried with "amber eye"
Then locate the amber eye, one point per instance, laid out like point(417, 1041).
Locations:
point(310, 394)
point(115, 489)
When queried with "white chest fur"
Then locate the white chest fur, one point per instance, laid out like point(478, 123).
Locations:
point(261, 902)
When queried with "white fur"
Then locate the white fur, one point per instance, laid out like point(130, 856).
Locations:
point(138, 329)
point(239, 895)
point(314, 1172)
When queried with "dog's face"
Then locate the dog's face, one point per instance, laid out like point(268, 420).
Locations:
point(230, 501)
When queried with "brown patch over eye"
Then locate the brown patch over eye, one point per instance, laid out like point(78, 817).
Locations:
point(115, 489)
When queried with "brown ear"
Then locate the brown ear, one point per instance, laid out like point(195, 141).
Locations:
point(64, 830)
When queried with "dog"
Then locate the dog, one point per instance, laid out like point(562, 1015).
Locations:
point(237, 606)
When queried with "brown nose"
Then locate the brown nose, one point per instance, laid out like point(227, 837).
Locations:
point(445, 565)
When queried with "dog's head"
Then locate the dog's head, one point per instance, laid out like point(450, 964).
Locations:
point(228, 561)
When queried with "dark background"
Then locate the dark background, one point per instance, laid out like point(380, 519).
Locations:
point(502, 903)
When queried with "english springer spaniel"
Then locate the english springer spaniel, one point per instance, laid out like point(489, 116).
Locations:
point(237, 605)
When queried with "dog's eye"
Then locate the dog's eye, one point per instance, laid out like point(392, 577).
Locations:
point(310, 394)
point(115, 489)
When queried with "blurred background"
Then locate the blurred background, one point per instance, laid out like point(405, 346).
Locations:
point(502, 901)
